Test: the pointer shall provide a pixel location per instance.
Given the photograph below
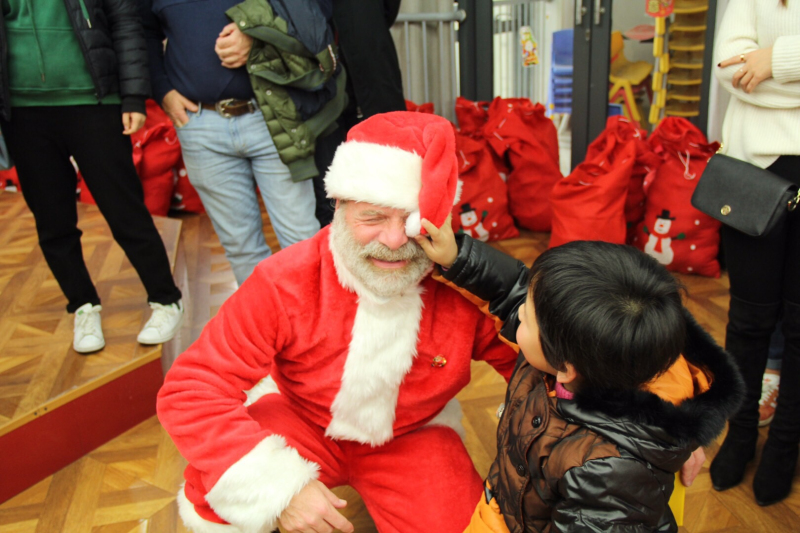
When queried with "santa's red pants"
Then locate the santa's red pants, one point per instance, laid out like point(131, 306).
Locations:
point(420, 481)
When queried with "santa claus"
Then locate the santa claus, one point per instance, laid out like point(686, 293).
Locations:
point(365, 351)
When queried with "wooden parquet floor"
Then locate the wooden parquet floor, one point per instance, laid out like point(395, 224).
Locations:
point(128, 485)
point(37, 364)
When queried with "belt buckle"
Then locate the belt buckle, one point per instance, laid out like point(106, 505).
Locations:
point(221, 107)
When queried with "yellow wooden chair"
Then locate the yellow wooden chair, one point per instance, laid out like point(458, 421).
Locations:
point(626, 78)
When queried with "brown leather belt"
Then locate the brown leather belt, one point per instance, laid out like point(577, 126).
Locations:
point(231, 107)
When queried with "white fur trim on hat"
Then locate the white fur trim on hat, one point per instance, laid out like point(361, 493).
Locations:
point(413, 223)
point(256, 489)
point(377, 174)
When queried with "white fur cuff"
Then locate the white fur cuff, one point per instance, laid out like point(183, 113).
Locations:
point(253, 492)
point(196, 523)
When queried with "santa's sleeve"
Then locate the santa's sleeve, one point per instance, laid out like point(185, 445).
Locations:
point(249, 473)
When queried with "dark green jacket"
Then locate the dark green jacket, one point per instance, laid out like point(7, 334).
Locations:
point(301, 92)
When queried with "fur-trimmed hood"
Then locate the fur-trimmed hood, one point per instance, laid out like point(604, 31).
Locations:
point(655, 429)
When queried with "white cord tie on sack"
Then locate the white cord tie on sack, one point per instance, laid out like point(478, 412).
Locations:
point(686, 174)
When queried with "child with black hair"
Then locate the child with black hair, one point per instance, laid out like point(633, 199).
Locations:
point(615, 386)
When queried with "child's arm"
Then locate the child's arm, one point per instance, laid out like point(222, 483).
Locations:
point(481, 271)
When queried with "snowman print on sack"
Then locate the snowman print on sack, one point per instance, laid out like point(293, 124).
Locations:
point(471, 225)
point(659, 243)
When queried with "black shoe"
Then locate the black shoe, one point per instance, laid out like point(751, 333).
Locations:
point(738, 449)
point(773, 480)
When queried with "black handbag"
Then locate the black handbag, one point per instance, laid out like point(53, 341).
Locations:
point(744, 196)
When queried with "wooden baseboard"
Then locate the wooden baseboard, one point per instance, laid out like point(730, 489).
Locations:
point(52, 440)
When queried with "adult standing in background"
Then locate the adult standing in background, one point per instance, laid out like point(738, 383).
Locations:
point(374, 81)
point(235, 133)
point(758, 50)
point(74, 84)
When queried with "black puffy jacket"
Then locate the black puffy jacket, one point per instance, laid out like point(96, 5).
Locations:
point(605, 461)
point(113, 47)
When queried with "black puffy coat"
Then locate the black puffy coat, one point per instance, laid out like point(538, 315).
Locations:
point(113, 47)
point(606, 460)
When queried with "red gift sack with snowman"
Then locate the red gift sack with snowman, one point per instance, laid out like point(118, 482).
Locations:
point(589, 204)
point(679, 236)
point(482, 210)
point(606, 150)
point(518, 130)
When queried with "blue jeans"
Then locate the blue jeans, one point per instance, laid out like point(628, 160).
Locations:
point(222, 157)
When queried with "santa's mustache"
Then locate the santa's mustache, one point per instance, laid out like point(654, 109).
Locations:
point(376, 250)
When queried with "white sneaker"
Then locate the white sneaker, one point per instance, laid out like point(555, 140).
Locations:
point(163, 324)
point(88, 332)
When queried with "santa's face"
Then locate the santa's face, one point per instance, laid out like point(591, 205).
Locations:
point(662, 226)
point(372, 242)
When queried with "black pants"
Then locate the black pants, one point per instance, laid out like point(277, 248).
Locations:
point(374, 81)
point(765, 285)
point(40, 141)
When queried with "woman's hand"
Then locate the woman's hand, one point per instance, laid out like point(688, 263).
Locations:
point(756, 66)
point(132, 122)
point(441, 248)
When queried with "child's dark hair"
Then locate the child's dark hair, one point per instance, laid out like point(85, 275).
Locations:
point(611, 311)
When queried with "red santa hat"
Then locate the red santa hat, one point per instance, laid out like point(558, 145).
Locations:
point(402, 159)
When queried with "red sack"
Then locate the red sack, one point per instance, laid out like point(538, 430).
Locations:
point(84, 195)
point(606, 150)
point(589, 204)
point(9, 180)
point(422, 108)
point(184, 196)
point(482, 211)
point(156, 152)
point(679, 236)
point(519, 130)
point(471, 116)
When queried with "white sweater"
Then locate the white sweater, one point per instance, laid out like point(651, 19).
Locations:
point(765, 124)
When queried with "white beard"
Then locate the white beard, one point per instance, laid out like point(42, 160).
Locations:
point(357, 259)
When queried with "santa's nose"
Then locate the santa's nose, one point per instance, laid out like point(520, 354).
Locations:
point(394, 235)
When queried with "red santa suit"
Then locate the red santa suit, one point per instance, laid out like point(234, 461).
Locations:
point(363, 395)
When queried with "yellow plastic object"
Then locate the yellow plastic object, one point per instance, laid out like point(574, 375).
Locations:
point(655, 114)
point(677, 501)
point(622, 93)
point(690, 6)
point(663, 64)
point(684, 76)
point(658, 45)
point(690, 41)
point(683, 93)
point(635, 72)
point(690, 22)
point(682, 109)
point(661, 25)
point(658, 81)
point(660, 98)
